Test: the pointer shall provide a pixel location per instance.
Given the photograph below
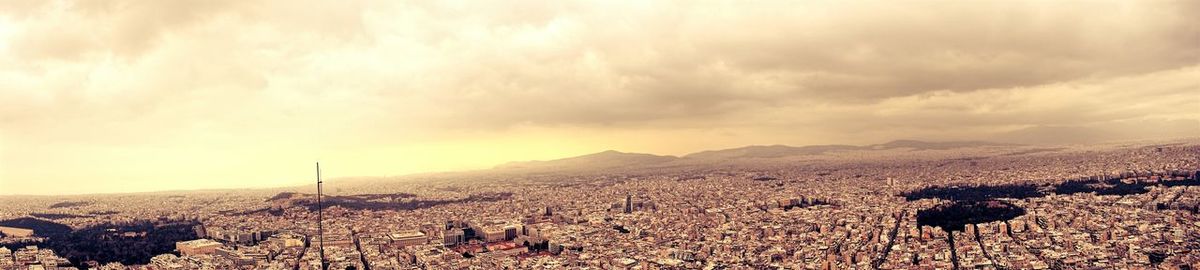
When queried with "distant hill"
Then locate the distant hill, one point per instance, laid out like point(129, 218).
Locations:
point(284, 196)
point(614, 159)
point(1132, 130)
point(40, 227)
point(776, 151)
point(923, 145)
point(69, 204)
point(769, 151)
point(601, 160)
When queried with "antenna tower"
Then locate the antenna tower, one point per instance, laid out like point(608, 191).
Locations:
point(320, 219)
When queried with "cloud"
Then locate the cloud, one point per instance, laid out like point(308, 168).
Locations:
point(589, 67)
point(325, 76)
point(585, 63)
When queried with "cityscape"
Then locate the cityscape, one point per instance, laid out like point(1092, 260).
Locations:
point(901, 205)
point(608, 135)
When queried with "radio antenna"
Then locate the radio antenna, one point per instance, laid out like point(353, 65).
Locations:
point(320, 219)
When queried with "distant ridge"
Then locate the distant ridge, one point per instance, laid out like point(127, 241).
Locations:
point(614, 159)
point(601, 160)
point(923, 145)
point(769, 151)
point(776, 151)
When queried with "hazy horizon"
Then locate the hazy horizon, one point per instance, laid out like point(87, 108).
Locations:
point(131, 96)
point(398, 177)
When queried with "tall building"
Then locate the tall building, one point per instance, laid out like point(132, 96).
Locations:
point(493, 233)
point(197, 247)
point(408, 238)
point(453, 236)
point(628, 203)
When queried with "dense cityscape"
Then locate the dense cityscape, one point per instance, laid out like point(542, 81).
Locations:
point(599, 134)
point(904, 205)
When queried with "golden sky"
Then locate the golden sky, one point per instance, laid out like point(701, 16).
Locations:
point(123, 96)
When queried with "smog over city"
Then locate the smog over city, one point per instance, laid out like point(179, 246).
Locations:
point(264, 134)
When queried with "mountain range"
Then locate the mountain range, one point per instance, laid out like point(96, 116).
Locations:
point(614, 159)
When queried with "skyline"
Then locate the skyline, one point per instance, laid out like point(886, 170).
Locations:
point(357, 179)
point(120, 96)
point(961, 205)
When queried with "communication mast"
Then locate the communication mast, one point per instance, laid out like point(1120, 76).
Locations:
point(320, 219)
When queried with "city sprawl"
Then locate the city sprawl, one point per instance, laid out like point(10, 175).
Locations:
point(1115, 206)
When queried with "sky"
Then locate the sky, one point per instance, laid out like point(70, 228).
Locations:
point(128, 96)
